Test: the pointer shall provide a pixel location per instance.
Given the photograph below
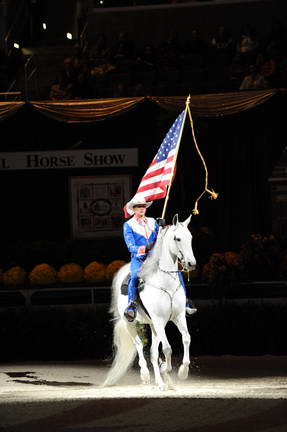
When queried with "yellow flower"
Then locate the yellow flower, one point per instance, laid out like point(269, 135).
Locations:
point(232, 259)
point(43, 274)
point(95, 272)
point(70, 273)
point(113, 267)
point(14, 276)
point(216, 258)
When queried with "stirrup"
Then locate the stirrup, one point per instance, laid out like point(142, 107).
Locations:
point(131, 311)
point(190, 309)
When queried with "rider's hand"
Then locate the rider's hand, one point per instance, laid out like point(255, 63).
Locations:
point(148, 247)
point(161, 222)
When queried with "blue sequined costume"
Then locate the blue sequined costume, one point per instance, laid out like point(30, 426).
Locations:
point(138, 234)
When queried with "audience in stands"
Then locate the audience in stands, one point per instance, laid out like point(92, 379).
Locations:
point(222, 62)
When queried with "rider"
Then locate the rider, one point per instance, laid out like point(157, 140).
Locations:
point(140, 233)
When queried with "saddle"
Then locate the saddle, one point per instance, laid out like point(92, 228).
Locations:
point(124, 290)
point(125, 283)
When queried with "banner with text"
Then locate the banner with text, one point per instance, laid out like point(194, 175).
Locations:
point(62, 159)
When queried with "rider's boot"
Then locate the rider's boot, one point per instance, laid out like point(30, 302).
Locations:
point(131, 311)
point(190, 309)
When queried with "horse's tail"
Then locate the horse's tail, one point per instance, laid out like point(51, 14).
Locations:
point(116, 289)
point(125, 352)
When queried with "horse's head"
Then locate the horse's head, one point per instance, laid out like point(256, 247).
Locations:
point(181, 245)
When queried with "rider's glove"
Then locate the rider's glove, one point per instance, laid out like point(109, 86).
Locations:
point(148, 247)
point(161, 222)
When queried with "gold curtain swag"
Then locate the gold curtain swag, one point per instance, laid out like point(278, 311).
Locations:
point(7, 109)
point(94, 110)
point(86, 111)
point(217, 104)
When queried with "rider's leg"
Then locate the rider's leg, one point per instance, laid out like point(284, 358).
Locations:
point(190, 309)
point(131, 310)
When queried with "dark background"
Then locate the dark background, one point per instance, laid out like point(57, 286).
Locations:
point(240, 152)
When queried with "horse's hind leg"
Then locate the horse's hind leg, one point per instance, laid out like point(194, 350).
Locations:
point(180, 322)
point(144, 372)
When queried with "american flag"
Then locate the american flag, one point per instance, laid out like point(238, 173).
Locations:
point(154, 183)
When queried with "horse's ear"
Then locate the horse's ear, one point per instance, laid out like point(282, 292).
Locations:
point(186, 222)
point(175, 219)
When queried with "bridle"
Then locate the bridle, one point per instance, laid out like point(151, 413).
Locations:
point(179, 256)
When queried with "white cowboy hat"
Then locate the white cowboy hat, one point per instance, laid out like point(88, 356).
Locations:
point(137, 201)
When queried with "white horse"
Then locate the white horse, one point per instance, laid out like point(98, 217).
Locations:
point(162, 299)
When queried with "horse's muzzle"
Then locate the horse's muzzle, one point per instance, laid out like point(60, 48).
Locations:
point(189, 265)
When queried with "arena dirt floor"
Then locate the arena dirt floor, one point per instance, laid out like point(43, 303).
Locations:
point(222, 394)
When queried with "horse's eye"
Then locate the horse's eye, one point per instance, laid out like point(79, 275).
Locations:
point(177, 239)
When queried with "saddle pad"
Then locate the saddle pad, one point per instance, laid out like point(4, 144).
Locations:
point(125, 283)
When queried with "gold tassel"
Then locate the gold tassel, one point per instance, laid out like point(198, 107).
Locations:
point(213, 194)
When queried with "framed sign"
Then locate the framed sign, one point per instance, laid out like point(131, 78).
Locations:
point(97, 205)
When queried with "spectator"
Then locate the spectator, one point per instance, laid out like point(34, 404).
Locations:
point(235, 72)
point(195, 45)
point(147, 59)
point(170, 51)
point(120, 90)
point(123, 49)
point(253, 80)
point(99, 52)
point(248, 45)
point(65, 85)
point(222, 42)
point(220, 52)
point(269, 70)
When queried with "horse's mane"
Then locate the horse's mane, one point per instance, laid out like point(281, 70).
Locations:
point(151, 263)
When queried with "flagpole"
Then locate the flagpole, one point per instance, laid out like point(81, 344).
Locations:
point(175, 157)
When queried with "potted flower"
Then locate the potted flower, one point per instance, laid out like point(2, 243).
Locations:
point(14, 276)
point(70, 273)
point(94, 272)
point(43, 275)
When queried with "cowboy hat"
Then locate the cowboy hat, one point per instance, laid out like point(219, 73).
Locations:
point(137, 201)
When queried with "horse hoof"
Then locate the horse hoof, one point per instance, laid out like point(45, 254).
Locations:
point(171, 386)
point(183, 372)
point(163, 387)
point(145, 379)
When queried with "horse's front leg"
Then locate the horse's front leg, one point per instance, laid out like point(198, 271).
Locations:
point(158, 335)
point(181, 324)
